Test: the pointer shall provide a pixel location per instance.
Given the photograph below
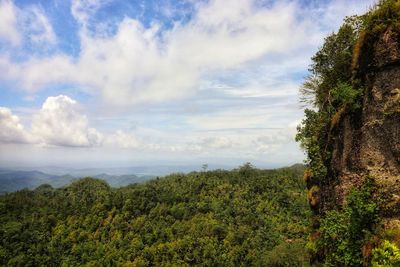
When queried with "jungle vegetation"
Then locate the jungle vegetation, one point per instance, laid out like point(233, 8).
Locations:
point(243, 217)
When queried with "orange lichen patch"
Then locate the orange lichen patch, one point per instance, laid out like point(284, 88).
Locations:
point(357, 50)
point(308, 175)
point(367, 250)
point(314, 196)
point(368, 246)
point(396, 95)
point(393, 235)
point(336, 118)
point(315, 235)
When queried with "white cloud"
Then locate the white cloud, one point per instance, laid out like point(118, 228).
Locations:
point(217, 142)
point(83, 10)
point(231, 119)
point(125, 140)
point(284, 90)
point(138, 65)
point(11, 130)
point(236, 66)
point(19, 25)
point(141, 65)
point(272, 142)
point(36, 26)
point(60, 123)
point(8, 22)
point(51, 70)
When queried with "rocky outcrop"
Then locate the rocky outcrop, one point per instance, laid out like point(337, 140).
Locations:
point(367, 142)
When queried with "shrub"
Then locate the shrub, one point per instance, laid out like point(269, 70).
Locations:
point(387, 254)
point(286, 255)
point(345, 95)
point(343, 233)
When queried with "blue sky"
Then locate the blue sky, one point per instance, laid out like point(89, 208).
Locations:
point(125, 83)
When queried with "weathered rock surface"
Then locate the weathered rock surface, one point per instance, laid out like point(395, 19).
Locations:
point(367, 142)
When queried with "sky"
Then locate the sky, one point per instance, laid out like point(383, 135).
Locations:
point(113, 83)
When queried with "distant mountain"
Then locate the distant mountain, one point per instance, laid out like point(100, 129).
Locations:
point(146, 170)
point(298, 167)
point(16, 180)
point(13, 180)
point(122, 180)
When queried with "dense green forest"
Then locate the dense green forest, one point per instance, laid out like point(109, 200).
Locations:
point(243, 217)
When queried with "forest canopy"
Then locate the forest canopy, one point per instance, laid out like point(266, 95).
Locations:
point(246, 217)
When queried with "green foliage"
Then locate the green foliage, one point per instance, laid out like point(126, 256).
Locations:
point(386, 13)
point(328, 89)
point(392, 234)
point(331, 65)
point(387, 254)
point(344, 232)
point(383, 18)
point(345, 95)
point(244, 217)
point(289, 254)
point(309, 132)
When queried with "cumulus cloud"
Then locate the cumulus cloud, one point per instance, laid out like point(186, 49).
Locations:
point(11, 130)
point(59, 122)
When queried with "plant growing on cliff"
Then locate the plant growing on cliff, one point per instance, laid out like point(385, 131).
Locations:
point(343, 233)
point(384, 15)
point(387, 254)
point(328, 89)
point(334, 89)
point(331, 65)
point(344, 95)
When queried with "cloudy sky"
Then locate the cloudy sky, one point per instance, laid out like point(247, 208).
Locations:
point(125, 83)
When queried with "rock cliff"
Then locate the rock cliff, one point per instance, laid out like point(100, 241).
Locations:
point(367, 143)
point(351, 135)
